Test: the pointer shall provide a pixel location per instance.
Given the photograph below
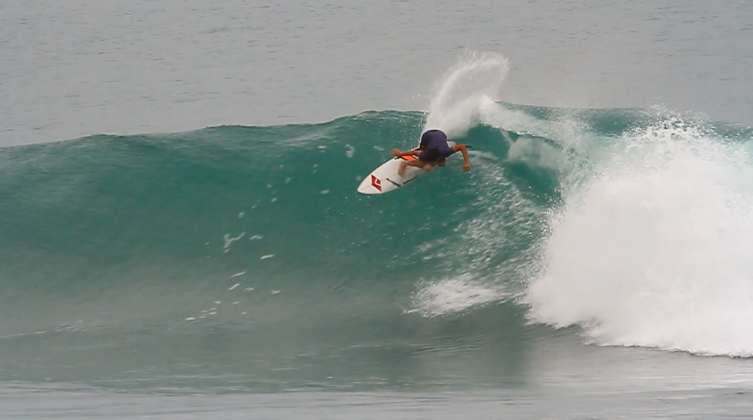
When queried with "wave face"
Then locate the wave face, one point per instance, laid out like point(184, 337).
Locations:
point(627, 227)
point(144, 227)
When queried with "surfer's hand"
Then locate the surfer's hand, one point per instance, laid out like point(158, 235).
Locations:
point(466, 167)
point(395, 152)
point(428, 168)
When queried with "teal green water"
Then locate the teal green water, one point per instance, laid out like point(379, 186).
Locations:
point(242, 258)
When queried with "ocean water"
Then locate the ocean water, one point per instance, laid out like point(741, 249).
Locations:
point(180, 235)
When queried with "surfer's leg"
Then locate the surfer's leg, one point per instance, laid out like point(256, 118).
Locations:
point(404, 164)
point(441, 162)
point(401, 169)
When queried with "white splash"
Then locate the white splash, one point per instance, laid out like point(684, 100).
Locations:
point(264, 257)
point(238, 274)
point(654, 248)
point(472, 84)
point(234, 286)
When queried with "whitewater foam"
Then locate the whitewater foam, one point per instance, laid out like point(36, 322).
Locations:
point(449, 296)
point(653, 248)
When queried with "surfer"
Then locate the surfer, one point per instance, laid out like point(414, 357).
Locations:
point(432, 151)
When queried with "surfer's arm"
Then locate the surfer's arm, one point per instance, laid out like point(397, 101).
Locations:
point(398, 153)
point(466, 160)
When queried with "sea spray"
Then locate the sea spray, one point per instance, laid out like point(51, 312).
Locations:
point(473, 83)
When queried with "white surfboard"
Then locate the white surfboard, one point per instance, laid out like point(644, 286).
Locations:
point(385, 178)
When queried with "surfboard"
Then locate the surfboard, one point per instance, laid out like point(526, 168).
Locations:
point(385, 178)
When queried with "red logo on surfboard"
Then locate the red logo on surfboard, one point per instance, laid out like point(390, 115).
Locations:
point(376, 183)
